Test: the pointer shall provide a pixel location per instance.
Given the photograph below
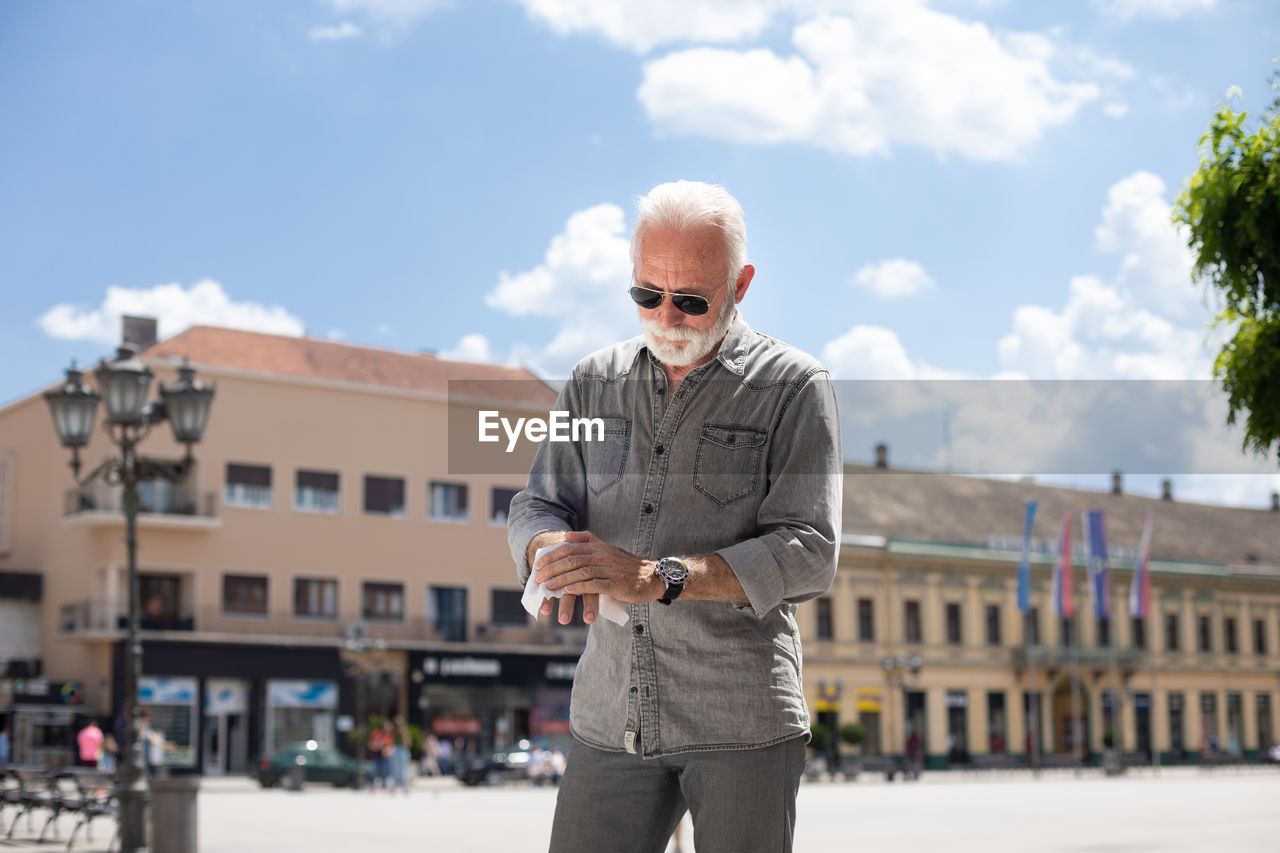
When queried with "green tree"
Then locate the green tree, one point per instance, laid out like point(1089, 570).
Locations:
point(853, 734)
point(1231, 206)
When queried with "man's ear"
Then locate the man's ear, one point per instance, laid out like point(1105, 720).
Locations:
point(744, 281)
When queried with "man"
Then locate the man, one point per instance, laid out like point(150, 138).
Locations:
point(711, 508)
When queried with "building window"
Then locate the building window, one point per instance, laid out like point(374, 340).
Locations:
point(161, 601)
point(1259, 637)
point(447, 501)
point(1031, 627)
point(384, 496)
point(315, 491)
point(1104, 633)
point(1067, 631)
point(244, 594)
point(911, 626)
point(500, 504)
point(248, 486)
point(1171, 632)
point(993, 624)
point(1139, 633)
point(315, 597)
point(383, 601)
point(1229, 635)
point(953, 624)
point(866, 620)
point(447, 612)
point(995, 723)
point(1204, 634)
point(507, 608)
point(825, 631)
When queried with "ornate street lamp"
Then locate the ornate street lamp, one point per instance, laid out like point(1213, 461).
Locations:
point(896, 668)
point(123, 383)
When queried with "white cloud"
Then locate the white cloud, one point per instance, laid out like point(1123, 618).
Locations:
point(580, 285)
point(1115, 109)
point(641, 26)
point(893, 278)
point(473, 347)
point(174, 307)
point(1166, 9)
point(390, 17)
point(335, 335)
point(345, 30)
point(884, 75)
point(868, 352)
point(1146, 323)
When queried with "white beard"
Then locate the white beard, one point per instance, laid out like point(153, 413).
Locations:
point(697, 345)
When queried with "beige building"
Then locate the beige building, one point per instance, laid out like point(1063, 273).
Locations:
point(921, 631)
point(322, 561)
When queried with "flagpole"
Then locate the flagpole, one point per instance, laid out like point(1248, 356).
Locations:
point(1151, 709)
point(1077, 733)
point(1117, 720)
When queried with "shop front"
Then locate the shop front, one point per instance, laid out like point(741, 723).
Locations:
point(485, 701)
point(45, 718)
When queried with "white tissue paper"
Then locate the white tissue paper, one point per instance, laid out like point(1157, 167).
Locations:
point(534, 593)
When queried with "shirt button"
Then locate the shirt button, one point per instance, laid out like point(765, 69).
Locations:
point(639, 629)
point(648, 508)
point(658, 450)
point(634, 691)
point(732, 439)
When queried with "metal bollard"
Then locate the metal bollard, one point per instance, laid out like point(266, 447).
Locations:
point(173, 814)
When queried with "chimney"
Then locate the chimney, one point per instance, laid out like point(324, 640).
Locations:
point(1275, 501)
point(1166, 490)
point(1117, 483)
point(139, 331)
point(882, 456)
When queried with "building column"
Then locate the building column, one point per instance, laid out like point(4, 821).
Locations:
point(1015, 724)
point(936, 720)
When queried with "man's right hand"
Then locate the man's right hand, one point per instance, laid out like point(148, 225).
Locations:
point(590, 601)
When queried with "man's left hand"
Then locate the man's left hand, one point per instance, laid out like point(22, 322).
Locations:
point(587, 565)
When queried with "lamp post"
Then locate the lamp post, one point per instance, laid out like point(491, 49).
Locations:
point(124, 383)
point(896, 668)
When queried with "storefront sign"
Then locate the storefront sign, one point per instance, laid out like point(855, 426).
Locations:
point(42, 691)
point(456, 726)
point(466, 667)
point(302, 694)
point(155, 690)
point(957, 700)
point(560, 671)
point(225, 696)
point(868, 700)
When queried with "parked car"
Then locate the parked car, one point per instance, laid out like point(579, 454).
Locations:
point(495, 768)
point(309, 761)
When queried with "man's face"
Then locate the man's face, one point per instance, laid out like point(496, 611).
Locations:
point(690, 262)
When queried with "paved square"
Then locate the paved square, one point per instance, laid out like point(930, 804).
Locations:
point(1181, 809)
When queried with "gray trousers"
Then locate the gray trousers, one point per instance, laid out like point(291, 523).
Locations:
point(741, 800)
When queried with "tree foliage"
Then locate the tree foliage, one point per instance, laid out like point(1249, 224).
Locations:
point(1231, 207)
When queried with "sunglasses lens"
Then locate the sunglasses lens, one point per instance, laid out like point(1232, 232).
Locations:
point(695, 305)
point(646, 298)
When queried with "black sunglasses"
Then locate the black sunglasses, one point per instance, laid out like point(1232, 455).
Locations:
point(686, 302)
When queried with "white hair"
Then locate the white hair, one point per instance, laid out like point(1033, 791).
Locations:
point(684, 206)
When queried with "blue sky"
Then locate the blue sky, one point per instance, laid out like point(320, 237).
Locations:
point(961, 188)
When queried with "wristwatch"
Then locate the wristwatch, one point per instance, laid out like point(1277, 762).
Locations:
point(676, 573)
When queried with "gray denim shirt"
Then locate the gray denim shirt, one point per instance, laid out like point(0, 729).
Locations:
point(744, 461)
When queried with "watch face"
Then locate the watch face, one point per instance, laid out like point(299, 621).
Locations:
point(673, 571)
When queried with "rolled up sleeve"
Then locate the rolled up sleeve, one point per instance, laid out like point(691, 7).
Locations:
point(794, 557)
point(554, 497)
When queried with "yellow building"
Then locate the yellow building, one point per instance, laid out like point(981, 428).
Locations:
point(921, 631)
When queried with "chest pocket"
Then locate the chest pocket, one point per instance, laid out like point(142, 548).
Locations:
point(727, 465)
point(607, 459)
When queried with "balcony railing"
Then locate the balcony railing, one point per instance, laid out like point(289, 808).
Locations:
point(99, 497)
point(1090, 657)
point(101, 617)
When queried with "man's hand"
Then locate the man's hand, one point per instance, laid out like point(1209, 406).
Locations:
point(590, 567)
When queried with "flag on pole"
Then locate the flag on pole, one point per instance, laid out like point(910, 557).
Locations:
point(1095, 540)
point(1064, 604)
point(1140, 589)
point(1024, 567)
